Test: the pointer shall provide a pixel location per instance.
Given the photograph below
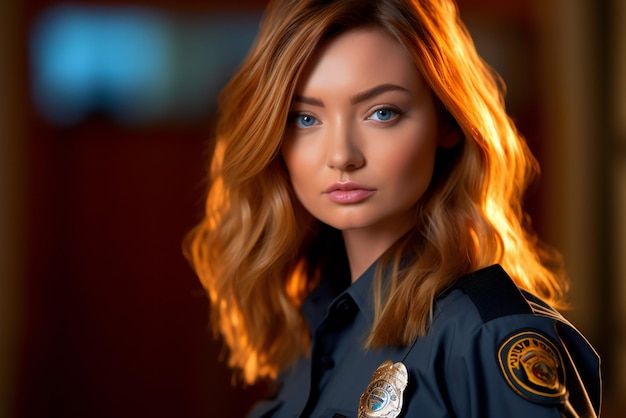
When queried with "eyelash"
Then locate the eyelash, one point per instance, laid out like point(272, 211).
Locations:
point(296, 118)
point(396, 112)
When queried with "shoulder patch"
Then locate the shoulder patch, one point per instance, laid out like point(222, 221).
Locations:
point(533, 366)
point(494, 293)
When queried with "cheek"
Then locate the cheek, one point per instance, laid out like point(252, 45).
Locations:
point(410, 152)
point(414, 174)
point(289, 158)
point(410, 169)
point(299, 153)
point(298, 163)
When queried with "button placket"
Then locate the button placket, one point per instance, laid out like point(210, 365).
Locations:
point(339, 315)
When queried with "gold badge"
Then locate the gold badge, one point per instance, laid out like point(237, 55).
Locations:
point(533, 367)
point(383, 396)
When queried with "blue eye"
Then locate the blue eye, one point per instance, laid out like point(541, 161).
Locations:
point(383, 115)
point(304, 121)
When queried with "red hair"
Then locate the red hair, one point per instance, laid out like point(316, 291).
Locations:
point(256, 250)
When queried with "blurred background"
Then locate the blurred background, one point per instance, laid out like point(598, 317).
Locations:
point(106, 108)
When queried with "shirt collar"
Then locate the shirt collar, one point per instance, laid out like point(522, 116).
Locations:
point(335, 285)
point(361, 292)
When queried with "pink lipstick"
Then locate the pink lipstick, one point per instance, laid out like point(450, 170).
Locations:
point(348, 192)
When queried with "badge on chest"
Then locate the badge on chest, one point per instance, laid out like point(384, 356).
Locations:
point(383, 396)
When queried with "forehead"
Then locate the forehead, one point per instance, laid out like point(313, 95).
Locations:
point(369, 55)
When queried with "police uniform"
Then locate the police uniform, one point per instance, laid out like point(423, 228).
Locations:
point(490, 351)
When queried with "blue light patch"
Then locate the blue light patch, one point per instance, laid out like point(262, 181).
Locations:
point(134, 65)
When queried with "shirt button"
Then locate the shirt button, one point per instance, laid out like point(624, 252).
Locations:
point(345, 306)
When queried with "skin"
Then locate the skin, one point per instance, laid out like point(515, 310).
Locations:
point(364, 121)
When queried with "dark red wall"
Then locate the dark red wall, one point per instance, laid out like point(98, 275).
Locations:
point(115, 322)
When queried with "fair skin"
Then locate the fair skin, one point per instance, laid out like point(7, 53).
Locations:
point(361, 142)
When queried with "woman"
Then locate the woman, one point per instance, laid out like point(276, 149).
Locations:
point(364, 242)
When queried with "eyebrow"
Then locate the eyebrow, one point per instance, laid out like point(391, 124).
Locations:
point(357, 98)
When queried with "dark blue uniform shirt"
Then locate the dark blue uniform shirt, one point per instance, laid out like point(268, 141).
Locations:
point(462, 367)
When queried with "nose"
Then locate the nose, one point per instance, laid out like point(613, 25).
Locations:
point(344, 152)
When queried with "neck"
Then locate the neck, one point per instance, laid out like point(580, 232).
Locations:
point(365, 247)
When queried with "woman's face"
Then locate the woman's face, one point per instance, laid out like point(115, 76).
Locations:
point(362, 135)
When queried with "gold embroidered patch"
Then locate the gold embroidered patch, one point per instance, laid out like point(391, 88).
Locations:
point(533, 367)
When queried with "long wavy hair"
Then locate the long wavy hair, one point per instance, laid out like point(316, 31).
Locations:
point(258, 253)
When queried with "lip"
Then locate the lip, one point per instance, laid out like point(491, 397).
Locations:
point(348, 192)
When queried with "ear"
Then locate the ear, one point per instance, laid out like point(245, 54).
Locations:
point(451, 135)
point(450, 132)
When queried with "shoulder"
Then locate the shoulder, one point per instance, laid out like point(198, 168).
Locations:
point(494, 295)
point(505, 339)
point(489, 296)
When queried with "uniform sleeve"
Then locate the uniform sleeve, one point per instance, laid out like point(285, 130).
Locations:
point(516, 366)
